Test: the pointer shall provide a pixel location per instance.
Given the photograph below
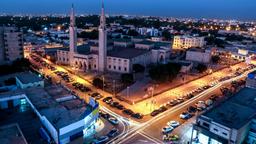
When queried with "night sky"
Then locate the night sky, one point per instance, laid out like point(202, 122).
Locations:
point(223, 9)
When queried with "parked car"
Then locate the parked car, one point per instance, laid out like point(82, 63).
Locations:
point(162, 109)
point(189, 96)
point(167, 129)
point(120, 107)
point(155, 112)
point(200, 105)
point(208, 102)
point(113, 120)
point(173, 124)
point(191, 109)
point(172, 103)
point(185, 115)
point(113, 132)
point(106, 99)
point(137, 115)
point(105, 115)
point(128, 112)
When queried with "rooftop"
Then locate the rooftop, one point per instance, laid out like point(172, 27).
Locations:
point(126, 53)
point(28, 77)
point(146, 42)
point(47, 102)
point(122, 40)
point(11, 134)
point(83, 49)
point(236, 111)
point(197, 49)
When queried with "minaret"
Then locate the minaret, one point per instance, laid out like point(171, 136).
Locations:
point(72, 35)
point(102, 41)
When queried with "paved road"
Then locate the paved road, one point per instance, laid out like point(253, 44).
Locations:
point(151, 130)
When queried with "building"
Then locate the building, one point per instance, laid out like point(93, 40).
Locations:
point(27, 80)
point(64, 116)
point(11, 44)
point(11, 134)
point(122, 43)
point(185, 66)
point(241, 55)
point(185, 42)
point(251, 80)
point(118, 56)
point(102, 53)
point(199, 55)
point(230, 122)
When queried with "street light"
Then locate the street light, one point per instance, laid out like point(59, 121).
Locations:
point(103, 79)
point(128, 89)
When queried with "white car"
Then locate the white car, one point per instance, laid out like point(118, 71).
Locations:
point(113, 120)
point(167, 129)
point(173, 123)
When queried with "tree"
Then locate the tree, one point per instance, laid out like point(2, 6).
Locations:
point(215, 59)
point(132, 33)
point(166, 35)
point(164, 72)
point(97, 82)
point(89, 35)
point(201, 68)
point(138, 68)
point(127, 78)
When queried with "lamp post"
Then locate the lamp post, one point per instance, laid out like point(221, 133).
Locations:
point(103, 79)
point(128, 91)
point(114, 88)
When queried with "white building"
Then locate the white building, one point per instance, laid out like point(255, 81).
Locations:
point(231, 122)
point(185, 42)
point(199, 55)
point(64, 116)
point(117, 58)
point(28, 80)
point(11, 44)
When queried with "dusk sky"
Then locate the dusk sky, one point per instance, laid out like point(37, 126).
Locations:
point(224, 9)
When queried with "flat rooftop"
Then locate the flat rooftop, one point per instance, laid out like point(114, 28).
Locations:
point(11, 134)
point(197, 50)
point(59, 113)
point(236, 111)
point(126, 53)
point(28, 77)
point(145, 42)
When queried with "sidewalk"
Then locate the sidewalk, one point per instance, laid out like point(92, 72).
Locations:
point(138, 91)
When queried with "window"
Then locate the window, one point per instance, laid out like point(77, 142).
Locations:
point(109, 66)
point(206, 124)
point(114, 67)
point(215, 129)
point(94, 66)
point(119, 68)
point(225, 134)
point(125, 69)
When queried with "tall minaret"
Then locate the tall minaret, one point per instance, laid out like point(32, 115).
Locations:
point(72, 34)
point(102, 57)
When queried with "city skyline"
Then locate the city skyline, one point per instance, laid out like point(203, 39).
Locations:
point(236, 9)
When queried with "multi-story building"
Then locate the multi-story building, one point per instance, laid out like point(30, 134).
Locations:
point(63, 115)
point(11, 45)
point(230, 122)
point(185, 42)
point(251, 80)
point(199, 55)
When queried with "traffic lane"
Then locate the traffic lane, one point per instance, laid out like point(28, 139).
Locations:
point(184, 89)
point(155, 129)
point(139, 138)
